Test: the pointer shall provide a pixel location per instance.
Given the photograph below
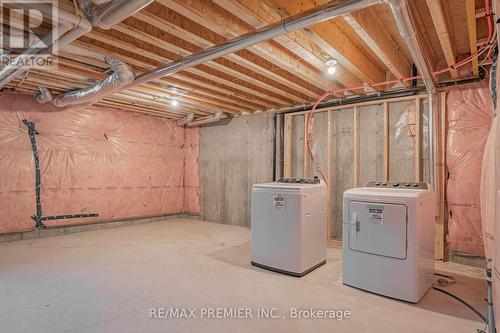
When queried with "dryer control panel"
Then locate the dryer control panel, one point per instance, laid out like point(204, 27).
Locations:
point(314, 180)
point(396, 185)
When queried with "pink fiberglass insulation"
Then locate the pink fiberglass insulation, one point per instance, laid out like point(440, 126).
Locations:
point(488, 189)
point(98, 160)
point(469, 113)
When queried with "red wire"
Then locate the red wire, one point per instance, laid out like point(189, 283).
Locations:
point(458, 64)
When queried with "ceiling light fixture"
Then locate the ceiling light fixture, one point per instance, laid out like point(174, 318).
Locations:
point(174, 102)
point(331, 66)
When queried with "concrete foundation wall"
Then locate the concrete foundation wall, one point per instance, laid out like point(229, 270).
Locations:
point(232, 158)
point(239, 154)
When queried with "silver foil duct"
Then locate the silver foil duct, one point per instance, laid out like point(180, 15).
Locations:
point(121, 76)
point(43, 96)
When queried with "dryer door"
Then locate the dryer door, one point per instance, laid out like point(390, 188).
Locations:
point(378, 228)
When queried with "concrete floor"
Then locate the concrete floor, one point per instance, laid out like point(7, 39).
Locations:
point(107, 281)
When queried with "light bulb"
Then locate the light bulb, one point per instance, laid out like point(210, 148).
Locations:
point(332, 70)
point(174, 102)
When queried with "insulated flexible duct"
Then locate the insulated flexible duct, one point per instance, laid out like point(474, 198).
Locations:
point(43, 96)
point(187, 119)
point(216, 117)
point(122, 75)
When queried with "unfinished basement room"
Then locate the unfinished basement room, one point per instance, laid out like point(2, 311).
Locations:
point(249, 166)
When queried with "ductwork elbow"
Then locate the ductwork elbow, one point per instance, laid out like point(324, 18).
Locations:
point(122, 75)
point(187, 119)
point(106, 14)
point(43, 96)
point(216, 117)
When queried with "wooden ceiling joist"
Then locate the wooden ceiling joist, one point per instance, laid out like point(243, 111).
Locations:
point(217, 19)
point(258, 14)
point(441, 26)
point(203, 38)
point(192, 76)
point(338, 41)
point(170, 43)
point(125, 44)
point(190, 98)
point(470, 6)
point(370, 28)
point(287, 71)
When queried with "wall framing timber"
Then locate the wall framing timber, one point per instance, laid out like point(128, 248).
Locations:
point(418, 153)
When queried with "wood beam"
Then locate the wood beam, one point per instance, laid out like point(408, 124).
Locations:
point(305, 154)
point(331, 172)
point(149, 34)
point(258, 14)
point(153, 91)
point(423, 34)
point(386, 142)
point(470, 6)
point(370, 28)
point(417, 153)
point(333, 34)
point(168, 21)
point(288, 147)
point(185, 81)
point(149, 51)
point(217, 19)
point(356, 147)
point(439, 20)
point(193, 75)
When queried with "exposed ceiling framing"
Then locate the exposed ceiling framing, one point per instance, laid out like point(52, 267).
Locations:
point(289, 70)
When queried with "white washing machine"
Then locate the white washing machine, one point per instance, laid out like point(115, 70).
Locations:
point(289, 225)
point(388, 239)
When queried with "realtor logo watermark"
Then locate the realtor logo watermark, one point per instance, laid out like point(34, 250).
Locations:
point(269, 313)
point(28, 30)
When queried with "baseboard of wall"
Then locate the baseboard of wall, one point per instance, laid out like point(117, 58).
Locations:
point(467, 259)
point(70, 229)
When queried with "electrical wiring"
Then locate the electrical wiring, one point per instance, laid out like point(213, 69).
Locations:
point(483, 317)
point(488, 45)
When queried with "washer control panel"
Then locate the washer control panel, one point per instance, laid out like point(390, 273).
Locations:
point(314, 180)
point(402, 185)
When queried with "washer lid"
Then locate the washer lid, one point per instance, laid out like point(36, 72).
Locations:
point(378, 228)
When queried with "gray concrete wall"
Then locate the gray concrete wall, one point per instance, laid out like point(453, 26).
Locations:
point(343, 163)
point(237, 155)
point(232, 158)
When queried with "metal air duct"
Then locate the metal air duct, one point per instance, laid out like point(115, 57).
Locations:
point(292, 23)
point(122, 75)
point(106, 15)
point(187, 119)
point(203, 121)
point(407, 30)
